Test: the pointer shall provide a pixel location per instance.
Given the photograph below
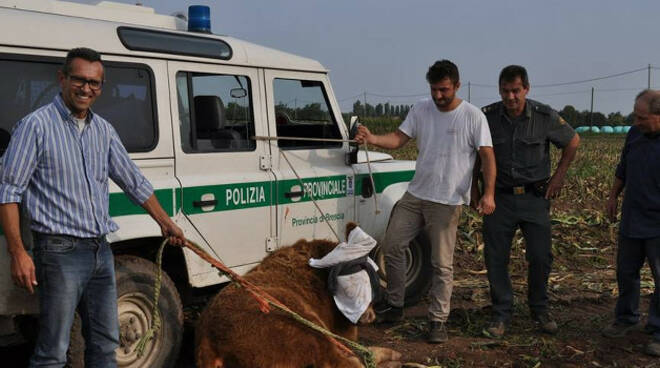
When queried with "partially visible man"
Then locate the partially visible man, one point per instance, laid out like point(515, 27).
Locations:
point(522, 130)
point(57, 164)
point(449, 133)
point(639, 231)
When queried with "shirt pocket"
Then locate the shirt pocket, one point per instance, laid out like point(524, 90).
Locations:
point(498, 141)
point(531, 150)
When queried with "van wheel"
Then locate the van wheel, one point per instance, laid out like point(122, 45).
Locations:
point(135, 281)
point(418, 268)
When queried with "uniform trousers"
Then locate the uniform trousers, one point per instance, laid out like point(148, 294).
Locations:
point(530, 213)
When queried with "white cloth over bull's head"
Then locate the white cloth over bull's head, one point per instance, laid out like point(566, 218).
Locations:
point(353, 294)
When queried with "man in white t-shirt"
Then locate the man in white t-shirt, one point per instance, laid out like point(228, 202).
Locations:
point(449, 134)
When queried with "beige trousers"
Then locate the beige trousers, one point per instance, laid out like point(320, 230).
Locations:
point(410, 216)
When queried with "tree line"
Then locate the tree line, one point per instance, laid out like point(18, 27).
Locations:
point(572, 116)
point(584, 118)
point(386, 109)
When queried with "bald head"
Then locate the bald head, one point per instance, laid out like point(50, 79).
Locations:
point(647, 111)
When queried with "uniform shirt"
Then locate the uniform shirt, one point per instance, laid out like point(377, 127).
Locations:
point(61, 174)
point(522, 145)
point(639, 169)
point(448, 143)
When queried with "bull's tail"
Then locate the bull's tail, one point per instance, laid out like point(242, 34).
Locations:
point(206, 355)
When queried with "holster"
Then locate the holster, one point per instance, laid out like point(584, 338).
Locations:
point(540, 187)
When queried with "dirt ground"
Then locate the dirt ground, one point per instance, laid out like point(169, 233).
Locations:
point(579, 343)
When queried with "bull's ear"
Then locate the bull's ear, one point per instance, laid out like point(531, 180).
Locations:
point(349, 227)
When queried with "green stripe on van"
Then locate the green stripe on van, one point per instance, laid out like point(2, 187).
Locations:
point(229, 196)
point(384, 180)
point(120, 205)
point(326, 187)
point(255, 194)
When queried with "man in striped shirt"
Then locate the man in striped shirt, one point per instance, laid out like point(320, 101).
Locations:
point(57, 165)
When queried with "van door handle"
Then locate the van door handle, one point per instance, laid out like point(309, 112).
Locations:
point(212, 202)
point(294, 194)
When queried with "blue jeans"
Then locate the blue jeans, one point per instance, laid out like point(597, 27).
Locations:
point(630, 259)
point(75, 273)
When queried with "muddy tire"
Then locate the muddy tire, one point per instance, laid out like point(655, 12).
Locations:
point(135, 281)
point(418, 269)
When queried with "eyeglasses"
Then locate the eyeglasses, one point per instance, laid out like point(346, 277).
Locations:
point(80, 82)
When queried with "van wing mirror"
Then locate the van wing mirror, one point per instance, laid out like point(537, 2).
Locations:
point(353, 148)
point(352, 126)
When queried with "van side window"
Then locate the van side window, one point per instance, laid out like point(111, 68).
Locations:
point(302, 110)
point(126, 100)
point(215, 112)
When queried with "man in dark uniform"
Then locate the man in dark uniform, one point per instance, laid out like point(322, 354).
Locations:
point(522, 131)
point(638, 173)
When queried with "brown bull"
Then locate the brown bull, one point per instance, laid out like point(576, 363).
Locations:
point(233, 333)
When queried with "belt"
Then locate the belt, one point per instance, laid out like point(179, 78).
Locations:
point(38, 235)
point(516, 190)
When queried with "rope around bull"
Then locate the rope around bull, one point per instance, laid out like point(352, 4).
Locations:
point(263, 299)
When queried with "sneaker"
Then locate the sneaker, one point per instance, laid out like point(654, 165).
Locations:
point(386, 313)
point(618, 329)
point(381, 306)
point(653, 348)
point(546, 324)
point(495, 329)
point(437, 332)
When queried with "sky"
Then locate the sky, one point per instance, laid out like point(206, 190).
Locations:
point(384, 47)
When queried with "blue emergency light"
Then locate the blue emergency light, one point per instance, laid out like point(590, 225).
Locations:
point(199, 18)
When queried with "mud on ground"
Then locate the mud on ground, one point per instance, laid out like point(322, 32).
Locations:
point(582, 290)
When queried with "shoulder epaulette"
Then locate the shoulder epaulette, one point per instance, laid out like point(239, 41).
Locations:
point(541, 108)
point(490, 108)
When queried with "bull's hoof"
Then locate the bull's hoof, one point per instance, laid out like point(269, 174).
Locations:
point(385, 357)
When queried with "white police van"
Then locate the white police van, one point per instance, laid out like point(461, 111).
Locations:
point(187, 105)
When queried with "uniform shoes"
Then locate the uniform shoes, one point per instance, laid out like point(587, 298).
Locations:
point(437, 332)
point(387, 313)
point(495, 329)
point(618, 329)
point(546, 324)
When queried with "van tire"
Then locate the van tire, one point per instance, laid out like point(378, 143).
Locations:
point(135, 281)
point(135, 287)
point(418, 268)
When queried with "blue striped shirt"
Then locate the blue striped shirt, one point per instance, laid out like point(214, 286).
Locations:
point(61, 175)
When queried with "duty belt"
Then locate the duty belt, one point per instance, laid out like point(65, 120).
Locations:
point(516, 190)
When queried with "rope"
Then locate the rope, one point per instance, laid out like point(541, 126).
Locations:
point(308, 139)
point(155, 322)
point(264, 300)
point(371, 177)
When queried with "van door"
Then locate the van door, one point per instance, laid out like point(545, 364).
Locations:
point(299, 107)
point(225, 193)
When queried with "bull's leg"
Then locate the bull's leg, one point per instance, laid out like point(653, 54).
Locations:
point(385, 357)
point(206, 356)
